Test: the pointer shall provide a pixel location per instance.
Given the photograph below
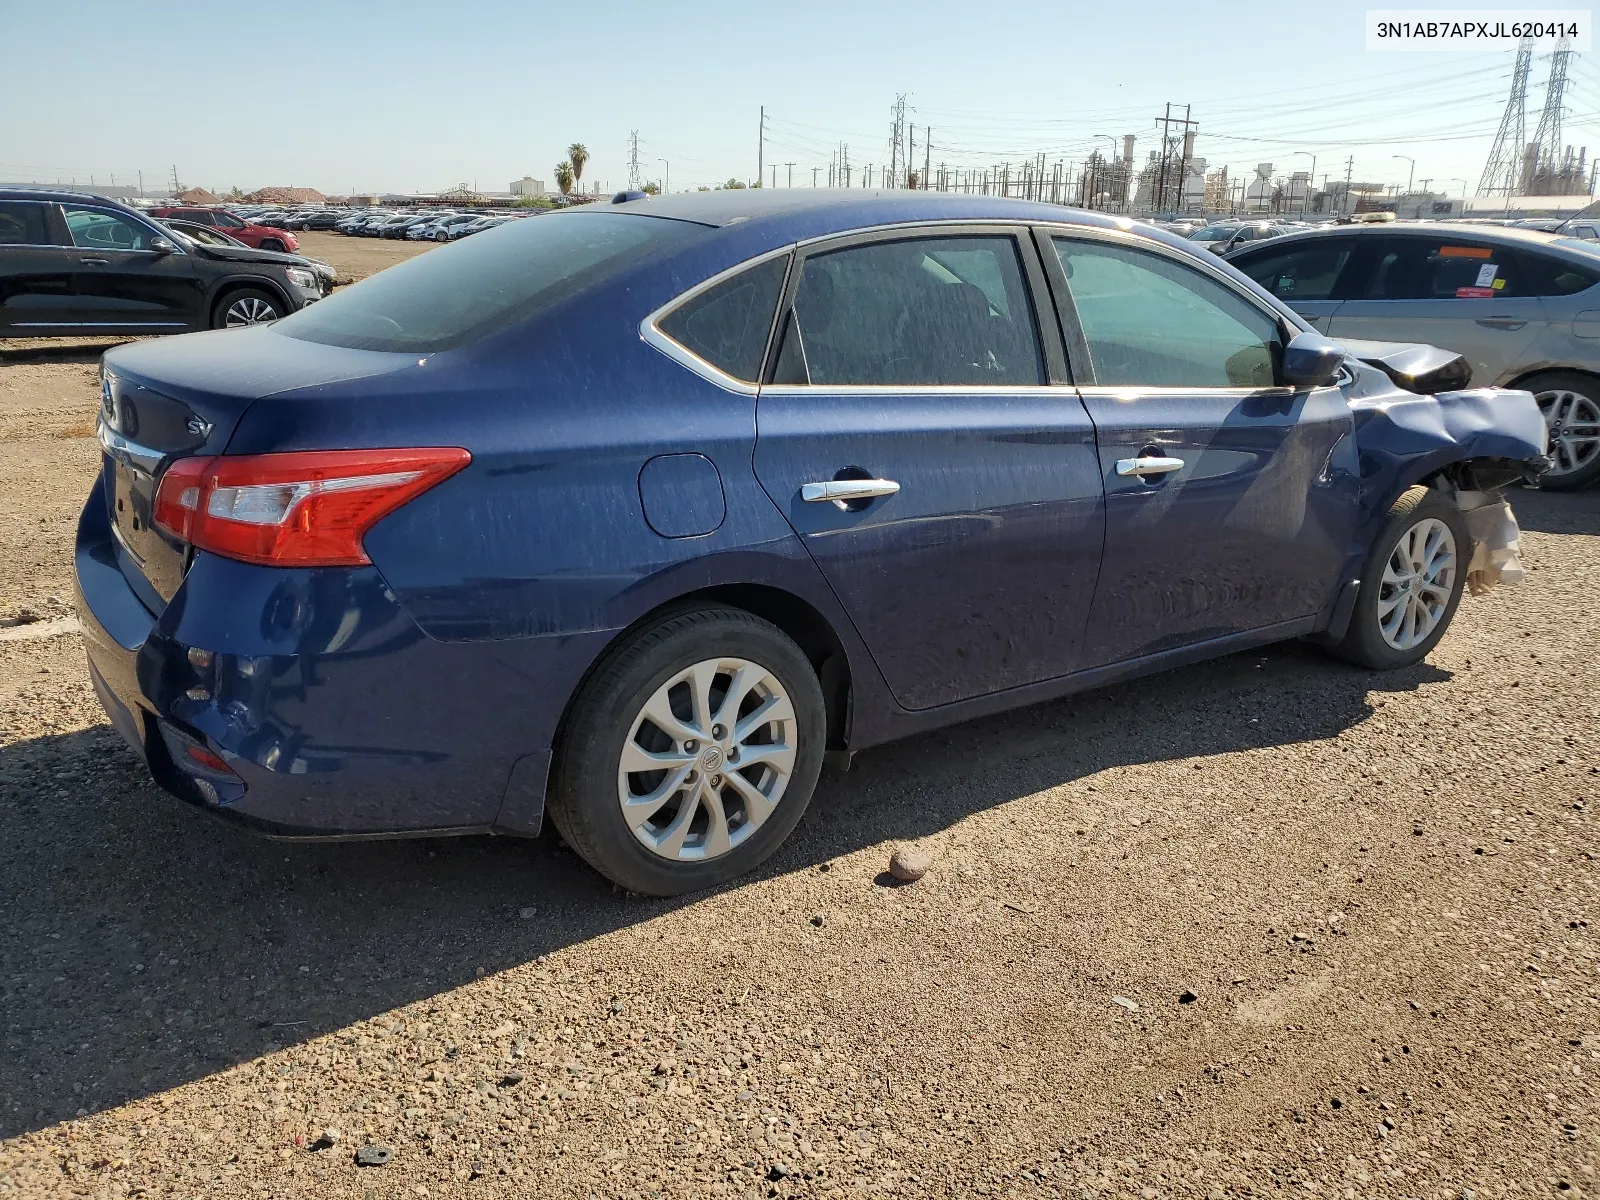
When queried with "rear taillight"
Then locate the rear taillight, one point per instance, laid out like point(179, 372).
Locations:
point(301, 509)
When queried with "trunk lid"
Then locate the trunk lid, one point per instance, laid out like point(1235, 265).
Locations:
point(174, 398)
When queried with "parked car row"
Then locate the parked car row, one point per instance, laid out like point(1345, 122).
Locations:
point(432, 225)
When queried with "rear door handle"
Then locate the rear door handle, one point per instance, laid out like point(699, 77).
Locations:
point(1148, 465)
point(1502, 322)
point(95, 262)
point(847, 489)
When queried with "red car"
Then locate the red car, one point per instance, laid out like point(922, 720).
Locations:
point(261, 237)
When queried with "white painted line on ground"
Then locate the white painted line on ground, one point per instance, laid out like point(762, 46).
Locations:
point(38, 631)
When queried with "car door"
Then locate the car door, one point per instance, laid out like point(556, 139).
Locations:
point(911, 435)
point(1303, 273)
point(1462, 293)
point(35, 275)
point(120, 283)
point(1230, 500)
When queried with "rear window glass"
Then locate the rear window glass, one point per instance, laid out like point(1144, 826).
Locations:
point(727, 325)
point(452, 295)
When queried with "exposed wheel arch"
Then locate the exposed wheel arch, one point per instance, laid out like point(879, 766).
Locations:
point(1538, 371)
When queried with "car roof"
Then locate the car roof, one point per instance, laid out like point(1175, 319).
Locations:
point(55, 194)
point(837, 209)
point(1462, 229)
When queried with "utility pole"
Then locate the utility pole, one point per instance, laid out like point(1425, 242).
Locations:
point(790, 165)
point(761, 146)
point(844, 162)
point(141, 185)
point(927, 154)
point(815, 171)
point(175, 184)
point(1349, 171)
point(911, 154)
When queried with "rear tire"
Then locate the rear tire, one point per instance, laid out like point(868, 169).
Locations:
point(739, 763)
point(247, 306)
point(1570, 402)
point(1410, 584)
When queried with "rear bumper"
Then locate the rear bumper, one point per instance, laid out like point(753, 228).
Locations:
point(337, 716)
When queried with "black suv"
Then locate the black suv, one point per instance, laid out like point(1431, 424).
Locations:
point(74, 264)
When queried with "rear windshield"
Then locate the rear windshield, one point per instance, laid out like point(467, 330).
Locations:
point(450, 296)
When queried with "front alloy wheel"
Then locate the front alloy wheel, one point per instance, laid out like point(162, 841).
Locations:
point(1410, 584)
point(707, 760)
point(249, 310)
point(1418, 581)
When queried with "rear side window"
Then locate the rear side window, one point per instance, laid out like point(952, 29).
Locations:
point(1306, 272)
point(925, 311)
point(22, 223)
point(727, 325)
point(1422, 268)
point(464, 291)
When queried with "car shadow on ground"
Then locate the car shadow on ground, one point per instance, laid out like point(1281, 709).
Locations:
point(146, 944)
point(67, 350)
point(1557, 512)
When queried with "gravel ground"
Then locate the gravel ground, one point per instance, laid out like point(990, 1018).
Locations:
point(1265, 923)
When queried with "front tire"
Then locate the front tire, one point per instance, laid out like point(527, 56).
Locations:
point(248, 306)
point(691, 753)
point(1570, 403)
point(1410, 584)
point(272, 244)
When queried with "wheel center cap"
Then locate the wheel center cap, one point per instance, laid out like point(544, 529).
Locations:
point(711, 759)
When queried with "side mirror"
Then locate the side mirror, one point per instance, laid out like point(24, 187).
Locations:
point(1311, 360)
point(161, 245)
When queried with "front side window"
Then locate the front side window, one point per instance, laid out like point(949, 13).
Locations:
point(1424, 268)
point(1305, 272)
point(1152, 322)
point(22, 223)
point(480, 284)
point(226, 221)
point(99, 229)
point(923, 311)
point(727, 325)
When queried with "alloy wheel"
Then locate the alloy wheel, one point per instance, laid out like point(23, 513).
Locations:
point(707, 759)
point(249, 310)
point(1573, 422)
point(1418, 580)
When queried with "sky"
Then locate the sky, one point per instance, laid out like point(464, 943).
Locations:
point(406, 96)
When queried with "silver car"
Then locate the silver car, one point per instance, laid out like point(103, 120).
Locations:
point(1522, 306)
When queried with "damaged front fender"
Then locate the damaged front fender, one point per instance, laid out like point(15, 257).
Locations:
point(1403, 438)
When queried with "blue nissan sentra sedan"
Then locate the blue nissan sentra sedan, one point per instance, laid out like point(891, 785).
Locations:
point(639, 512)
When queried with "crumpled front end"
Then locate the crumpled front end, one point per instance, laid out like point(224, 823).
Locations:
point(1482, 439)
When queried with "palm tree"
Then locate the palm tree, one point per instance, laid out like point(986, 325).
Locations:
point(564, 177)
point(578, 156)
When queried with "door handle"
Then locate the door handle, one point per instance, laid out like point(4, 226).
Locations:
point(1146, 466)
point(95, 262)
point(847, 489)
point(1502, 322)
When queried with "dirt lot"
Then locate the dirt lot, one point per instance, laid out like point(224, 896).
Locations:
point(1266, 923)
